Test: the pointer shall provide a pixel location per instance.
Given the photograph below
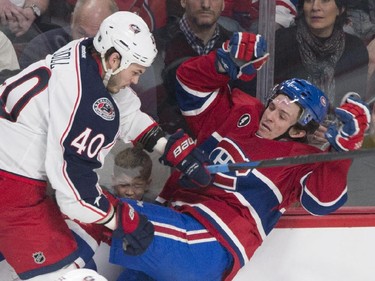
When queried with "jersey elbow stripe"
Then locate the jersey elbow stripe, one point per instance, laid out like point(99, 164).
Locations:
point(315, 206)
point(205, 103)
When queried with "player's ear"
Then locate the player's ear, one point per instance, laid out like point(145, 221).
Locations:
point(114, 61)
point(296, 133)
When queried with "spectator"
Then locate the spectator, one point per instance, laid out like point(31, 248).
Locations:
point(153, 12)
point(19, 16)
point(60, 118)
point(317, 49)
point(132, 173)
point(210, 233)
point(196, 33)
point(8, 56)
point(86, 19)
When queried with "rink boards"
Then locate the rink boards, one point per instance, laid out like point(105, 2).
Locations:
point(337, 247)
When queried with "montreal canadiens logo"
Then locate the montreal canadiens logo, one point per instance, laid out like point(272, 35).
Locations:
point(104, 108)
point(323, 101)
point(244, 120)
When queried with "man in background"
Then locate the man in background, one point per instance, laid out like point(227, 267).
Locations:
point(85, 21)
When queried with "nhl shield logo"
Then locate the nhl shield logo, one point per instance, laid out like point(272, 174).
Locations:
point(104, 108)
point(244, 120)
point(39, 257)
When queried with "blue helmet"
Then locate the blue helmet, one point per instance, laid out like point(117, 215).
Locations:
point(311, 99)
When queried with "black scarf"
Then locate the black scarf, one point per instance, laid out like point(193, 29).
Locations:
point(319, 56)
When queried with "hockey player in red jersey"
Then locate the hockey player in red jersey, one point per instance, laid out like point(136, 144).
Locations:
point(209, 233)
point(59, 118)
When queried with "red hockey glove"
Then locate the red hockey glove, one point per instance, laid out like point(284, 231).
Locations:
point(181, 152)
point(354, 115)
point(243, 55)
point(135, 230)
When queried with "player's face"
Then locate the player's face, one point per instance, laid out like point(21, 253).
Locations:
point(279, 116)
point(125, 78)
point(320, 16)
point(202, 14)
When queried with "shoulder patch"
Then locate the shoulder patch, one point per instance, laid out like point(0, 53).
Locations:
point(244, 120)
point(104, 108)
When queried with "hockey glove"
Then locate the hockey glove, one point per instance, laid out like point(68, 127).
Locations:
point(135, 230)
point(354, 115)
point(243, 55)
point(181, 152)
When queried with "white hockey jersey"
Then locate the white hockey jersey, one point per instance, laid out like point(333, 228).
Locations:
point(58, 122)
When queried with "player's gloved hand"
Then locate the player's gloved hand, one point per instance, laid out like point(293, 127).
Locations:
point(354, 115)
point(243, 55)
point(201, 157)
point(181, 152)
point(135, 230)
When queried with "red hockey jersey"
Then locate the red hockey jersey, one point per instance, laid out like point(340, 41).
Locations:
point(241, 208)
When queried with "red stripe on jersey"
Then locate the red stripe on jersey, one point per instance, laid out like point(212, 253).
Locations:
point(193, 236)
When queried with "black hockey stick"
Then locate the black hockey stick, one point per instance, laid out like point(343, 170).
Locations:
point(295, 160)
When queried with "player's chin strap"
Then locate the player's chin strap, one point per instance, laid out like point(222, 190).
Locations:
point(286, 136)
point(109, 72)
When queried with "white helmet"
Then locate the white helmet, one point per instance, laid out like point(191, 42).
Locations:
point(82, 274)
point(130, 36)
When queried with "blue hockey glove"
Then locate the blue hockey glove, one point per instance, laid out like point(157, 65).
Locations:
point(354, 115)
point(135, 230)
point(181, 152)
point(243, 55)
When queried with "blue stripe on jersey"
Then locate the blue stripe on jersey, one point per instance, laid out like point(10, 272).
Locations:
point(188, 101)
point(315, 207)
point(262, 198)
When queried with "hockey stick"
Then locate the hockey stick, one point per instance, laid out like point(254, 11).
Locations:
point(295, 160)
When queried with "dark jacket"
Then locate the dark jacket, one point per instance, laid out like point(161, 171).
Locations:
point(44, 44)
point(350, 71)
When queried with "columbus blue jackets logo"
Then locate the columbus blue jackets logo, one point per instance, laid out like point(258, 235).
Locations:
point(39, 257)
point(244, 120)
point(134, 28)
point(104, 108)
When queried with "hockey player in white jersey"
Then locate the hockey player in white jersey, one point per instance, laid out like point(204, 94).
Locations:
point(58, 119)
